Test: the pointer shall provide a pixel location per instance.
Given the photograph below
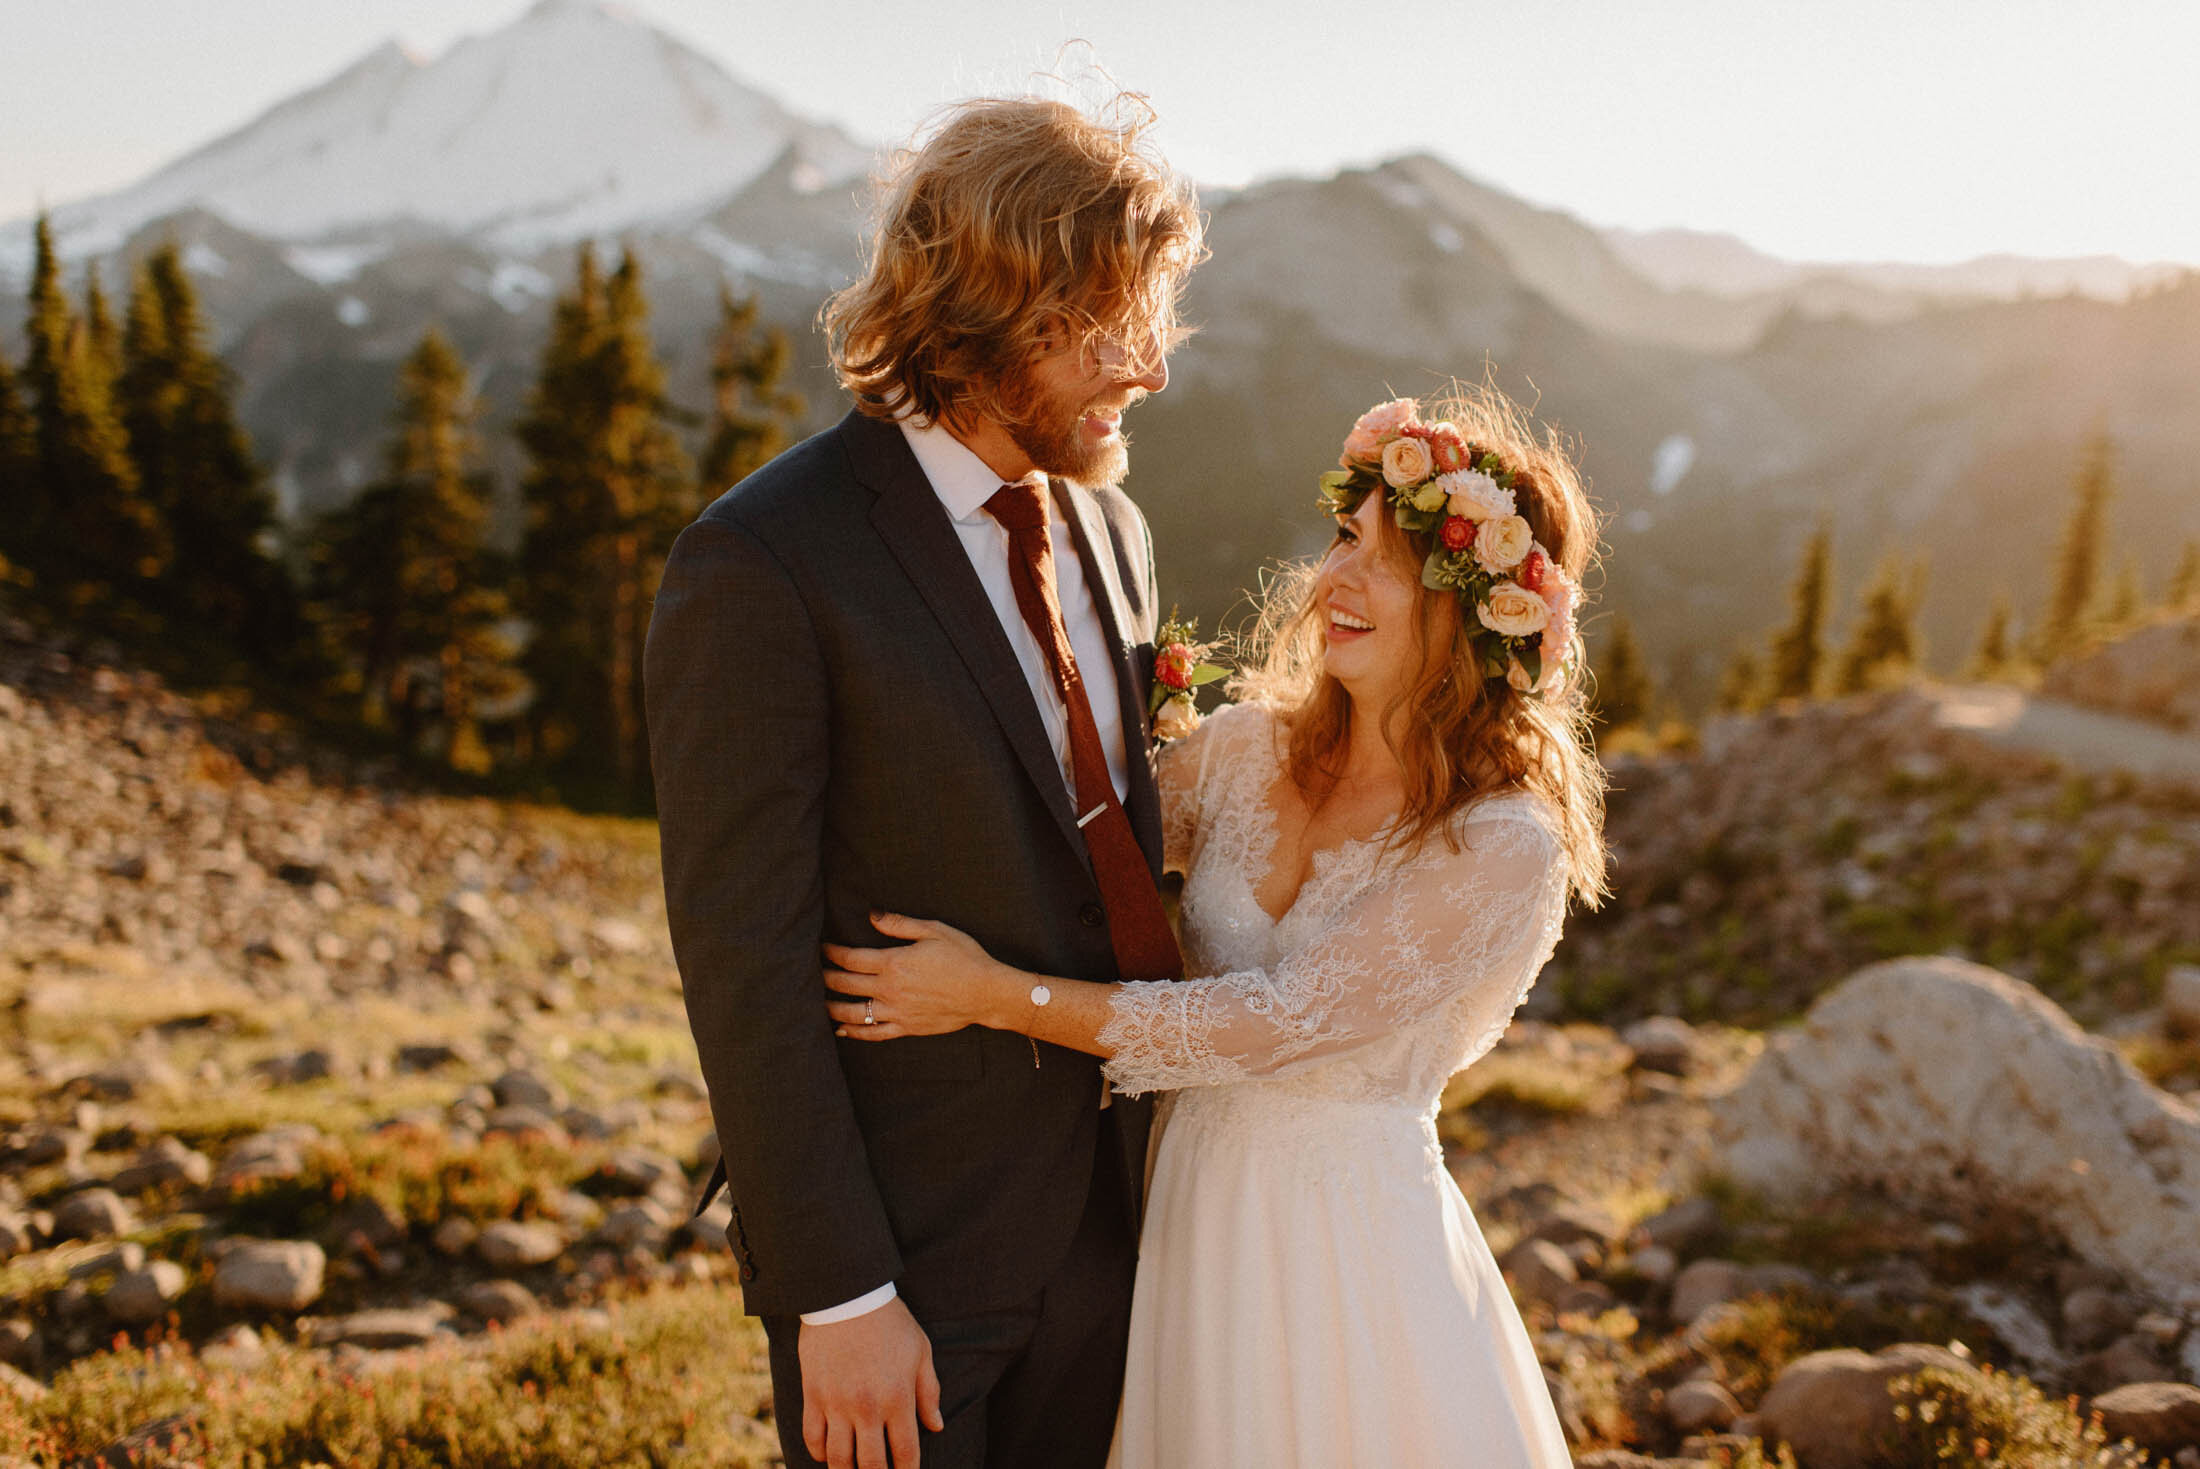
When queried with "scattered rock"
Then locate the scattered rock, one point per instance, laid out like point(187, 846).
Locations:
point(274, 1155)
point(297, 1068)
point(639, 1171)
point(639, 1226)
point(18, 1342)
point(498, 1300)
point(165, 1162)
point(523, 1121)
point(271, 1275)
point(93, 1213)
point(141, 1296)
point(1833, 1408)
point(2093, 1317)
point(129, 1255)
point(2161, 1417)
point(1569, 1225)
point(380, 1330)
point(366, 1221)
point(20, 1385)
point(455, 1235)
point(1661, 1043)
point(1694, 1407)
point(16, 1235)
point(2029, 1109)
point(1653, 1264)
point(2127, 1359)
point(236, 1348)
point(519, 1088)
point(426, 1057)
point(1683, 1226)
point(1539, 1270)
point(512, 1245)
point(2181, 1001)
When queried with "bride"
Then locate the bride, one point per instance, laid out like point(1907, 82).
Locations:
point(1378, 842)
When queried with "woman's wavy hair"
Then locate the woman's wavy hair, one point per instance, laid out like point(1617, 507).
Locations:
point(1465, 736)
point(1018, 224)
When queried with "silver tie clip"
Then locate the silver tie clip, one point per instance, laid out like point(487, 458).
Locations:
point(1095, 811)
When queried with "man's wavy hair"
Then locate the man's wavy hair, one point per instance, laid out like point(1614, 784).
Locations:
point(1018, 224)
point(1464, 736)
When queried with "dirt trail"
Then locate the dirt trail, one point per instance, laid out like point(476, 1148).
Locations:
point(2085, 738)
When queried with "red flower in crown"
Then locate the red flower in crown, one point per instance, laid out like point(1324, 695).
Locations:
point(1530, 574)
point(1173, 666)
point(1457, 533)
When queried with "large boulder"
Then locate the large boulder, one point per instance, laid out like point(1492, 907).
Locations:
point(1943, 1079)
point(1834, 1409)
point(2163, 1417)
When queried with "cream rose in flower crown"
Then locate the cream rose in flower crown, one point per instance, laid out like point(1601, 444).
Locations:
point(1520, 603)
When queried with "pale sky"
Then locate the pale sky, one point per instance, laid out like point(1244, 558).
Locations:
point(1925, 130)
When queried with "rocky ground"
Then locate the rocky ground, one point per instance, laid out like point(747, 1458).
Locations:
point(347, 1124)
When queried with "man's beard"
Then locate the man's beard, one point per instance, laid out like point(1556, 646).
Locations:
point(1052, 437)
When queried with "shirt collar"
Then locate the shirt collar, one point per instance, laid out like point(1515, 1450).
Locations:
point(959, 477)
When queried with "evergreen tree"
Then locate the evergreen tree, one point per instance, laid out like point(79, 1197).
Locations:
point(88, 527)
point(2122, 608)
point(196, 468)
point(100, 334)
point(401, 573)
point(1741, 684)
point(1799, 648)
point(16, 459)
point(1883, 646)
point(751, 413)
point(2184, 583)
point(1624, 692)
point(607, 489)
point(2070, 602)
point(1995, 657)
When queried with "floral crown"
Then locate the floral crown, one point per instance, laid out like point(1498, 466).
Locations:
point(1439, 484)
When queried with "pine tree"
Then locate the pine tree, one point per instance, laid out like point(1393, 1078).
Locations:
point(2122, 608)
point(1741, 684)
point(196, 468)
point(1624, 692)
point(1883, 646)
point(2068, 618)
point(607, 489)
point(1799, 648)
point(1995, 657)
point(16, 459)
point(401, 573)
point(89, 527)
point(2183, 594)
point(751, 413)
point(100, 334)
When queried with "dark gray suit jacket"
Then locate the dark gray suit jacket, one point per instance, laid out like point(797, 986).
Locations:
point(838, 724)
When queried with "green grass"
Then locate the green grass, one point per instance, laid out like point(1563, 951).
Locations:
point(679, 1380)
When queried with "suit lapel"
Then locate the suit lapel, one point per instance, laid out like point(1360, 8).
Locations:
point(915, 528)
point(1096, 550)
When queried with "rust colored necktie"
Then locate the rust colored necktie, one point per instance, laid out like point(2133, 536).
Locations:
point(1138, 928)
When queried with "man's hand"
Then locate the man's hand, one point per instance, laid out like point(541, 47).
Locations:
point(866, 1383)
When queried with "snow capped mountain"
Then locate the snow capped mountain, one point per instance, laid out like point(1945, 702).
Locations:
point(575, 119)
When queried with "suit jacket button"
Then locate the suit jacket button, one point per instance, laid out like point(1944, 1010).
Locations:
point(1092, 915)
point(748, 1272)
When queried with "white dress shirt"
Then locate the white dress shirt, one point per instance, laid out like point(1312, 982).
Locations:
point(964, 483)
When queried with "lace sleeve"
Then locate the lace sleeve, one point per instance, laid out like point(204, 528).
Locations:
point(1471, 926)
point(1181, 772)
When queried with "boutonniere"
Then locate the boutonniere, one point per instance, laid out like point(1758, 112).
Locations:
point(1179, 666)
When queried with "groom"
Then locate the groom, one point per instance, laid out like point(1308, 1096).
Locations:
point(903, 667)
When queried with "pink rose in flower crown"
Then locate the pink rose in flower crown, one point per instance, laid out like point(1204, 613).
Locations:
point(1377, 427)
point(1406, 462)
point(1173, 666)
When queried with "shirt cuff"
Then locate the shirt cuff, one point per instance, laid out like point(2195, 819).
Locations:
point(862, 1305)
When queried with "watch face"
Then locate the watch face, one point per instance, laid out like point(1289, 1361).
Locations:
point(1040, 994)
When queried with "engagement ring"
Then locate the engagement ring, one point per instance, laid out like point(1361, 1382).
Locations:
point(868, 1017)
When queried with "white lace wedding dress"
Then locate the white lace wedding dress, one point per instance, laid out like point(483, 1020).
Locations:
point(1312, 1289)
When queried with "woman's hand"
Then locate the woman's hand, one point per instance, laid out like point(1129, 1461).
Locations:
point(940, 981)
